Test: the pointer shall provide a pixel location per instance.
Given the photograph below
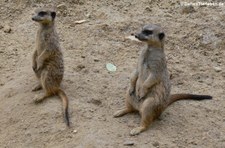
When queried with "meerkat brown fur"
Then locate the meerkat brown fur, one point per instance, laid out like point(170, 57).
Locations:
point(48, 59)
point(149, 90)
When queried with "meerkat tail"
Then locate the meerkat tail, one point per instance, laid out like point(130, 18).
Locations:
point(65, 101)
point(176, 97)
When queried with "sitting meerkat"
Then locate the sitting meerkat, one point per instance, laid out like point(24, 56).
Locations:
point(48, 59)
point(149, 90)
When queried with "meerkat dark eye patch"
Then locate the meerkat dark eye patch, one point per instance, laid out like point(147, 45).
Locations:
point(53, 14)
point(42, 13)
point(147, 32)
point(161, 36)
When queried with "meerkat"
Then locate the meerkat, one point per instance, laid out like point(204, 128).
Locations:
point(149, 90)
point(47, 60)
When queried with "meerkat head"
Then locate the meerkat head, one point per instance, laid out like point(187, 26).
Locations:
point(151, 34)
point(44, 16)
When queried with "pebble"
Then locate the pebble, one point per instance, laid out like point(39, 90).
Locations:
point(187, 9)
point(80, 21)
point(95, 102)
point(156, 144)
point(62, 9)
point(96, 60)
point(148, 9)
point(80, 67)
point(62, 6)
point(217, 69)
point(128, 143)
point(7, 29)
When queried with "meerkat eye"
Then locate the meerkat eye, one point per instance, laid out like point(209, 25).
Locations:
point(148, 32)
point(161, 36)
point(42, 13)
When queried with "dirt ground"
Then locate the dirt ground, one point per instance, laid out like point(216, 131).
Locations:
point(195, 51)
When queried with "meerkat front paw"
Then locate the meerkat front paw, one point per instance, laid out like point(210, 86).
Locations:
point(34, 67)
point(38, 68)
point(36, 88)
point(137, 130)
point(142, 93)
point(38, 99)
point(118, 113)
point(131, 91)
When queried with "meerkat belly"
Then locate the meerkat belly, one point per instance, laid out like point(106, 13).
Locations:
point(158, 91)
point(144, 73)
point(55, 68)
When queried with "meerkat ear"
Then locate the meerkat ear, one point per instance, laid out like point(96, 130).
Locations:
point(53, 14)
point(161, 35)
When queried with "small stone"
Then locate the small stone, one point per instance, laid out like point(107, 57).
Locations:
point(88, 15)
point(217, 69)
point(74, 131)
point(187, 9)
point(95, 102)
point(119, 135)
point(7, 29)
point(110, 67)
point(96, 71)
point(80, 67)
point(156, 144)
point(96, 60)
point(62, 9)
point(80, 21)
point(148, 9)
point(128, 143)
point(168, 15)
point(62, 6)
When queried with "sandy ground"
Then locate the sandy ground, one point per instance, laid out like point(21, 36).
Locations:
point(195, 52)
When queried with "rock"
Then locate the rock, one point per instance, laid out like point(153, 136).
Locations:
point(96, 60)
point(168, 15)
point(187, 9)
point(148, 9)
point(156, 144)
point(79, 67)
point(88, 15)
point(1, 83)
point(95, 102)
point(217, 69)
point(7, 29)
point(128, 143)
point(80, 21)
point(62, 7)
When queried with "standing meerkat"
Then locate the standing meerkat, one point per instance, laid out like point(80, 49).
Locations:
point(149, 91)
point(48, 59)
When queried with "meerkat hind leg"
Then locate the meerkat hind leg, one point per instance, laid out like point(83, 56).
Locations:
point(127, 109)
point(149, 111)
point(144, 125)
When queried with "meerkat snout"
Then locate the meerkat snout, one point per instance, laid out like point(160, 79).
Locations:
point(140, 37)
